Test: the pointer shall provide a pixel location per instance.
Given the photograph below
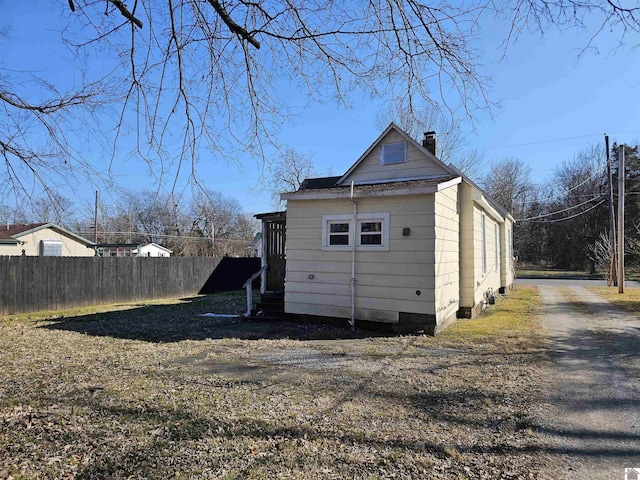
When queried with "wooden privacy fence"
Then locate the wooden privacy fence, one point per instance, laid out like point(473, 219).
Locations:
point(30, 284)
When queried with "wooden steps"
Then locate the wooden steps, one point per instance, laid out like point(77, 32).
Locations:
point(271, 306)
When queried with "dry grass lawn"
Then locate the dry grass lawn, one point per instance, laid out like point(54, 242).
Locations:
point(157, 392)
point(628, 301)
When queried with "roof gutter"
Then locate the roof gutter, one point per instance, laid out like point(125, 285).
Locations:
point(479, 198)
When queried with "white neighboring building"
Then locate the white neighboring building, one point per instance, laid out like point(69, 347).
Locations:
point(154, 250)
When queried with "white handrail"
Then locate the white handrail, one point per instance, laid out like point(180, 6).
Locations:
point(247, 285)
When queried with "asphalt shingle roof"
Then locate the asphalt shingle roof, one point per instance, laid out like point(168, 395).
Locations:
point(18, 228)
point(428, 182)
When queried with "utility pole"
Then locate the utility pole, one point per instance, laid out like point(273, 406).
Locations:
point(613, 275)
point(95, 221)
point(621, 175)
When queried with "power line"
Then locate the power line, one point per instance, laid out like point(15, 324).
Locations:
point(554, 140)
point(558, 211)
point(571, 216)
point(565, 191)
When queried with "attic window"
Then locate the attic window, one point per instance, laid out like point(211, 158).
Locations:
point(391, 153)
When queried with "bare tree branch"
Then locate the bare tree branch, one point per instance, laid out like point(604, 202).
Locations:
point(125, 12)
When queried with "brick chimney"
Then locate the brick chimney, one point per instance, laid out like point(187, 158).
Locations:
point(430, 142)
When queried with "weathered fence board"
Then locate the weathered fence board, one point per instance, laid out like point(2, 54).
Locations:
point(29, 284)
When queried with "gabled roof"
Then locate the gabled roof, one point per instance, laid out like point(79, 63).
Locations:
point(16, 231)
point(407, 137)
point(337, 187)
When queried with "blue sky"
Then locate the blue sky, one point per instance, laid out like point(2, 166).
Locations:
point(553, 103)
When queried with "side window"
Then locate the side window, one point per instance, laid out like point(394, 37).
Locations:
point(391, 153)
point(338, 233)
point(484, 244)
point(497, 245)
point(373, 231)
point(370, 233)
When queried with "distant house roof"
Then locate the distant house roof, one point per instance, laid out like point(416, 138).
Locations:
point(160, 247)
point(15, 231)
point(4, 238)
point(19, 228)
point(117, 245)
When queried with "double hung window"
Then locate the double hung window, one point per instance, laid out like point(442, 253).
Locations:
point(338, 233)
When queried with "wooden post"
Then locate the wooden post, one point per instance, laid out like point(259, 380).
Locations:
point(621, 175)
point(263, 258)
point(612, 216)
point(95, 221)
point(249, 298)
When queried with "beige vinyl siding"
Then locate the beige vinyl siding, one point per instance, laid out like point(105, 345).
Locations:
point(490, 278)
point(416, 164)
point(10, 249)
point(467, 247)
point(386, 281)
point(70, 246)
point(447, 247)
point(474, 282)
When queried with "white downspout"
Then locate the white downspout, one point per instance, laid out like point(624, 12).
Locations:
point(352, 321)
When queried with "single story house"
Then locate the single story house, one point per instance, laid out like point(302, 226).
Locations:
point(132, 250)
point(400, 239)
point(154, 250)
point(43, 239)
point(117, 249)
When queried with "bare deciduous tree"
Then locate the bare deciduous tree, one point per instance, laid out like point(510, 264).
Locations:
point(212, 69)
point(509, 182)
point(52, 208)
point(39, 136)
point(287, 172)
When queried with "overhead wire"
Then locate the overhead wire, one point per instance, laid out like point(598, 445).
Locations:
point(555, 220)
point(565, 191)
point(558, 211)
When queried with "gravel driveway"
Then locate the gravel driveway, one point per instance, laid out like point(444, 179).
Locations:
point(592, 418)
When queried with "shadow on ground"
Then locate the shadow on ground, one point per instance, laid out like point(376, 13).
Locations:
point(182, 321)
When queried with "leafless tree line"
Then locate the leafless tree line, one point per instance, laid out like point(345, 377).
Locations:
point(206, 225)
point(565, 221)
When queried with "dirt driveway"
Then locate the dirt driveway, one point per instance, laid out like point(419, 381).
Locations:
point(592, 417)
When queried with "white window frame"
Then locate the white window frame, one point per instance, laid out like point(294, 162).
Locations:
point(326, 231)
point(383, 158)
point(484, 243)
point(354, 231)
point(384, 234)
